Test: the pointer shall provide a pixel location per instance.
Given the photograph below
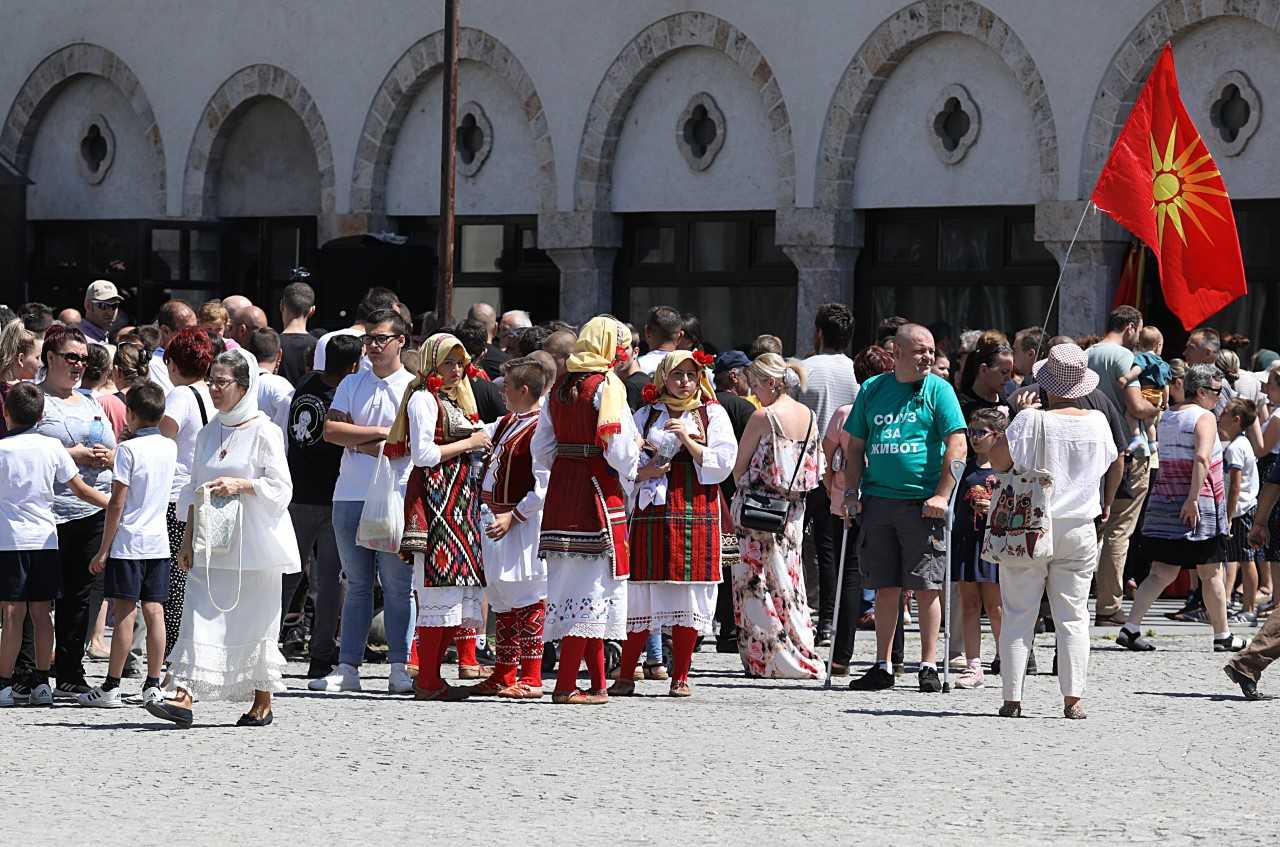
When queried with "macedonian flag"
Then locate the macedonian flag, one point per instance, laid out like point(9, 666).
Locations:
point(1162, 185)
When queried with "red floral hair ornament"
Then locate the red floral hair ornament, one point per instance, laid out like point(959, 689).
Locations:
point(474, 418)
point(473, 371)
point(650, 393)
point(434, 383)
point(620, 355)
point(704, 360)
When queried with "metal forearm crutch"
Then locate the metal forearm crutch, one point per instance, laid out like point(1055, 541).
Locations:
point(957, 471)
point(835, 618)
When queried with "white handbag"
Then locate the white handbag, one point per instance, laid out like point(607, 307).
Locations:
point(217, 521)
point(1020, 524)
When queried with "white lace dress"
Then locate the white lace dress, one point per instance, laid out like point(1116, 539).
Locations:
point(227, 644)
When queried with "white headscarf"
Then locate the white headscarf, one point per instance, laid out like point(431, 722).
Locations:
point(247, 408)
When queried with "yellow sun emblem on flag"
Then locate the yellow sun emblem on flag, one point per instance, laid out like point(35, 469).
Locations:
point(1176, 188)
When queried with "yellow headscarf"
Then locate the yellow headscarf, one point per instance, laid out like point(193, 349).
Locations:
point(431, 355)
point(673, 360)
point(594, 352)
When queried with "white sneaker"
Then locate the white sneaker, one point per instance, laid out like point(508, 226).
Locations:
point(97, 698)
point(399, 682)
point(41, 695)
point(8, 698)
point(152, 695)
point(342, 678)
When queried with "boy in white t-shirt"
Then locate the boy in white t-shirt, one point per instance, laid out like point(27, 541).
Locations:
point(1240, 466)
point(30, 567)
point(134, 555)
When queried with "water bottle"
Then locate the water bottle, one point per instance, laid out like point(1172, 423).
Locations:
point(486, 517)
point(97, 432)
point(668, 447)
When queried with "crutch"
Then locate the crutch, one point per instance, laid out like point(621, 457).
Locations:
point(957, 471)
point(837, 464)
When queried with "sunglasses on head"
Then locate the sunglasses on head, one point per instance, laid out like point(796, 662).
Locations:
point(980, 433)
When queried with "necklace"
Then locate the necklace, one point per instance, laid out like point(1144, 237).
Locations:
point(226, 440)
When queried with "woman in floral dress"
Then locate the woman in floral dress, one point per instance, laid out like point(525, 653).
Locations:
point(779, 456)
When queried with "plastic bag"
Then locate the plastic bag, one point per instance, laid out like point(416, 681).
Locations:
point(382, 518)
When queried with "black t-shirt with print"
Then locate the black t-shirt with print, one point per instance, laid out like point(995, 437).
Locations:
point(313, 462)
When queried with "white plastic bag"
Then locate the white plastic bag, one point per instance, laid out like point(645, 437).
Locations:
point(382, 519)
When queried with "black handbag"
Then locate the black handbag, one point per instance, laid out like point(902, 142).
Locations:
point(765, 511)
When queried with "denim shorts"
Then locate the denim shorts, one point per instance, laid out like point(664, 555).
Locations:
point(898, 547)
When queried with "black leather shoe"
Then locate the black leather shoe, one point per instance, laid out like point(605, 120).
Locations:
point(1248, 687)
point(170, 712)
point(248, 719)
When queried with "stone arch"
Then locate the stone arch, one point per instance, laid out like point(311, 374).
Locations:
point(58, 69)
point(593, 183)
point(1132, 63)
point(219, 117)
point(402, 85)
point(876, 60)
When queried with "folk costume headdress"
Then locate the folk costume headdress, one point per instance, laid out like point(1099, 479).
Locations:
point(596, 352)
point(656, 392)
point(431, 355)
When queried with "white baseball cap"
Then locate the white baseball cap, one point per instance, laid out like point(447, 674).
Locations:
point(103, 291)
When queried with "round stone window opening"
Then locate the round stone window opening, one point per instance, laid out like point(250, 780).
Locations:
point(1235, 110)
point(700, 131)
point(475, 138)
point(954, 123)
point(96, 149)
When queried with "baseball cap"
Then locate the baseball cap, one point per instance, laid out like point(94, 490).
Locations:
point(102, 291)
point(731, 359)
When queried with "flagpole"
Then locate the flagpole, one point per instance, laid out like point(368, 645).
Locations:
point(1142, 268)
point(1044, 325)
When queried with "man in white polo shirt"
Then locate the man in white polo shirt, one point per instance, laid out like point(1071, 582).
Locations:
point(359, 418)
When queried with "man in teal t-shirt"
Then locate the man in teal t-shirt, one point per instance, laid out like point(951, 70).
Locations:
point(906, 428)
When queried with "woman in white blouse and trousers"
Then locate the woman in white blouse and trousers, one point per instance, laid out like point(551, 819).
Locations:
point(1078, 451)
point(227, 645)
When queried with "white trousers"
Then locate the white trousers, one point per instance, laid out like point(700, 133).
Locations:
point(1066, 576)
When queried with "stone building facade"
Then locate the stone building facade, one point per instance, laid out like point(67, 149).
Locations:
point(742, 159)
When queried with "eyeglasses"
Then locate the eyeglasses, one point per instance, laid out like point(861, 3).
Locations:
point(684, 376)
point(980, 433)
point(105, 305)
point(72, 359)
point(377, 340)
point(221, 384)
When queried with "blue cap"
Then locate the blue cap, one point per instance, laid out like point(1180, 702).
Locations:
point(731, 359)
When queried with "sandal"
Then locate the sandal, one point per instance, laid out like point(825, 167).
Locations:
point(473, 671)
point(623, 688)
point(1011, 710)
point(578, 697)
point(521, 691)
point(445, 694)
point(1074, 712)
point(658, 671)
point(490, 687)
point(680, 688)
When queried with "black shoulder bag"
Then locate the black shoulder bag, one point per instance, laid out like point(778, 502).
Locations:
point(764, 511)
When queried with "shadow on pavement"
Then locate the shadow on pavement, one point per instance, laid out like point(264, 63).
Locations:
point(917, 713)
point(1191, 695)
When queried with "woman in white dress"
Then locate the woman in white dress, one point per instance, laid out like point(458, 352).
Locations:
point(227, 645)
point(677, 524)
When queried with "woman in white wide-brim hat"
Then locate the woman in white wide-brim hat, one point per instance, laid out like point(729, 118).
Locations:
point(1078, 449)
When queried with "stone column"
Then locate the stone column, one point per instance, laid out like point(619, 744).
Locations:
point(1092, 268)
point(824, 247)
point(584, 246)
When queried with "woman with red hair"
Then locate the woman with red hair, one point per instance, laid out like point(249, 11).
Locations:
point(187, 408)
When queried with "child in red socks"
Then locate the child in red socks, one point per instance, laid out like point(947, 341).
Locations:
point(513, 492)
point(675, 538)
point(438, 426)
point(586, 438)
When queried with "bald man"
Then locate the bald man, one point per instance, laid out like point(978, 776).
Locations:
point(560, 345)
point(173, 317)
point(246, 322)
point(486, 315)
point(69, 317)
point(235, 304)
point(905, 428)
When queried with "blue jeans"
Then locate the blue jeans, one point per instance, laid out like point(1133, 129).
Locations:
point(361, 566)
point(653, 647)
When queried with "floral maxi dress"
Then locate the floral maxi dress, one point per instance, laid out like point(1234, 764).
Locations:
point(771, 610)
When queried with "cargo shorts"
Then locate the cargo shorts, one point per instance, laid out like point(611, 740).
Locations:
point(898, 547)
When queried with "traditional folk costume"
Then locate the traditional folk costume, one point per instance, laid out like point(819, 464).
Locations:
point(678, 526)
point(442, 510)
point(515, 578)
point(587, 439)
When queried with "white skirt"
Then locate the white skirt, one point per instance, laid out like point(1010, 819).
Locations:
point(659, 604)
point(504, 596)
point(229, 655)
point(453, 605)
point(584, 600)
point(514, 575)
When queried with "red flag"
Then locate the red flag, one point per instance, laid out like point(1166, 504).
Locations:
point(1162, 185)
point(1127, 288)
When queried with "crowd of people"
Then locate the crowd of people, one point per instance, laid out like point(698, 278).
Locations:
point(224, 494)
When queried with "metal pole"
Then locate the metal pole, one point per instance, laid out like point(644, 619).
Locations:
point(957, 472)
point(835, 619)
point(448, 166)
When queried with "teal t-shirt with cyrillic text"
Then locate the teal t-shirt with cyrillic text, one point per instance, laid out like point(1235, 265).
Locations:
point(904, 426)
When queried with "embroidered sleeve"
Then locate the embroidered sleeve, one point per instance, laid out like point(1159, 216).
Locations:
point(721, 451)
point(423, 412)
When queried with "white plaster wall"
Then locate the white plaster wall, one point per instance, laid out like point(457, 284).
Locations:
point(1201, 61)
point(897, 165)
point(505, 184)
point(268, 165)
point(59, 191)
point(651, 174)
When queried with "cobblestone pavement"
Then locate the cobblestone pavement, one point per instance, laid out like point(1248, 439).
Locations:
point(1170, 754)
